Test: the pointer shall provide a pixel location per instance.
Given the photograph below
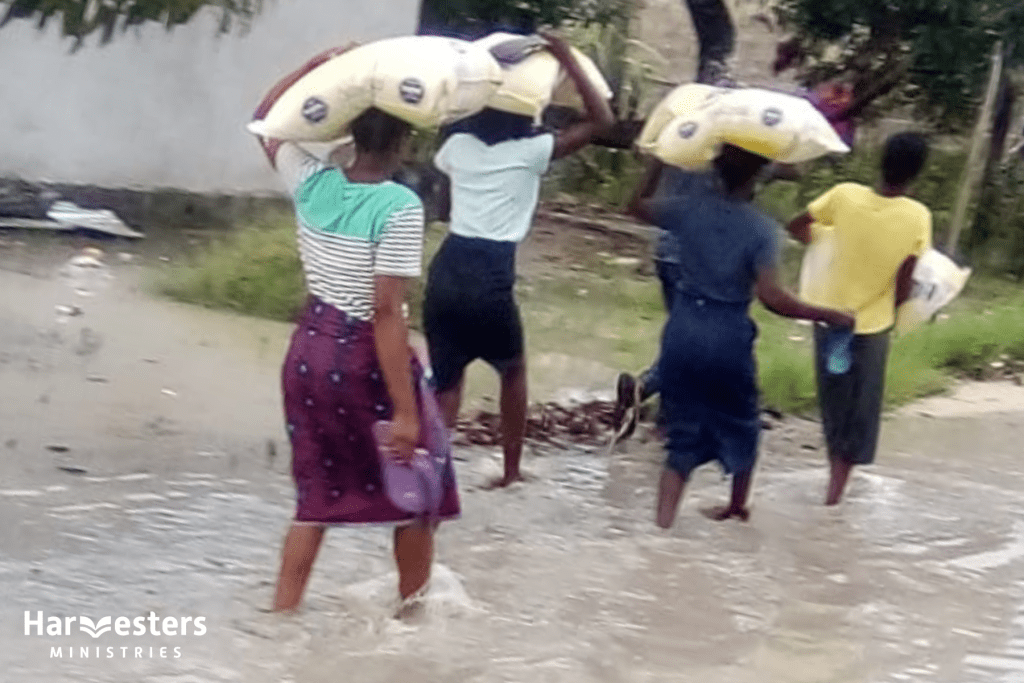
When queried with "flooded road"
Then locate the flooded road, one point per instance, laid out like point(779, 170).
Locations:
point(145, 470)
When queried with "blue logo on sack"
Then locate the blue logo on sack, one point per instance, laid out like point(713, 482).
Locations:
point(411, 90)
point(688, 130)
point(772, 117)
point(314, 110)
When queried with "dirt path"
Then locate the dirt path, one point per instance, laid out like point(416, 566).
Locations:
point(145, 469)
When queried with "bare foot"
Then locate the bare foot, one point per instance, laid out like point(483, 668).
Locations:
point(413, 608)
point(286, 611)
point(504, 482)
point(720, 513)
point(411, 611)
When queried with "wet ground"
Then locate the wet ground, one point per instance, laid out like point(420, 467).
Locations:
point(144, 470)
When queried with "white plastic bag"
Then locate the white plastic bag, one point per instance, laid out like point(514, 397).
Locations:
point(425, 80)
point(814, 269)
point(937, 281)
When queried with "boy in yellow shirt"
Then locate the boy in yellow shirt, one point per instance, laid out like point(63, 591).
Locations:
point(878, 235)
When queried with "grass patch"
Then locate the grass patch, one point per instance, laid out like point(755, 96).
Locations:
point(255, 271)
point(605, 313)
point(984, 326)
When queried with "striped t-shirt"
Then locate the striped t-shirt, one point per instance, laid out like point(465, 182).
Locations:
point(350, 232)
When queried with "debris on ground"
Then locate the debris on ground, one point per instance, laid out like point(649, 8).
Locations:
point(581, 422)
point(585, 423)
point(64, 311)
point(23, 200)
point(1003, 369)
point(29, 207)
point(84, 275)
point(106, 221)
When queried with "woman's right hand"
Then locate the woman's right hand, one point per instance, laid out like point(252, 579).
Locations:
point(405, 435)
point(599, 118)
point(557, 46)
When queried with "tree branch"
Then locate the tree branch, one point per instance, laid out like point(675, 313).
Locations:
point(883, 85)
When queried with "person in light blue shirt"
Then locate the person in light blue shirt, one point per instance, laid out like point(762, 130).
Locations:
point(494, 162)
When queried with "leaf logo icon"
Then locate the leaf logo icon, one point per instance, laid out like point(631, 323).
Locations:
point(94, 629)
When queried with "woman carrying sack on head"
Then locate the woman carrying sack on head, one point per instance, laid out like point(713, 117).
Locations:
point(728, 254)
point(349, 365)
point(494, 161)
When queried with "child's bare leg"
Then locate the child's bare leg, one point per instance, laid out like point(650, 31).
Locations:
point(670, 492)
point(414, 553)
point(513, 419)
point(300, 549)
point(449, 401)
point(737, 506)
point(839, 475)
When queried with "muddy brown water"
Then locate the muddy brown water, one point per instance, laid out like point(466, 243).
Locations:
point(144, 470)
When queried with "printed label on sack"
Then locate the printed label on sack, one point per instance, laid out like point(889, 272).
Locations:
point(314, 110)
point(688, 130)
point(411, 90)
point(772, 117)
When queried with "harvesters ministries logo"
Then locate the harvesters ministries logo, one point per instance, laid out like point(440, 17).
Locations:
point(116, 636)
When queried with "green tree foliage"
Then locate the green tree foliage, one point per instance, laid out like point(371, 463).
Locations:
point(79, 19)
point(932, 53)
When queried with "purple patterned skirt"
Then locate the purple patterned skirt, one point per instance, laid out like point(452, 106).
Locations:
point(333, 394)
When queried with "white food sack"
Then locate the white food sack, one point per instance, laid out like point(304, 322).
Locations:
point(320, 105)
point(567, 95)
point(688, 142)
point(425, 80)
point(689, 99)
point(527, 86)
point(538, 81)
point(430, 81)
point(780, 127)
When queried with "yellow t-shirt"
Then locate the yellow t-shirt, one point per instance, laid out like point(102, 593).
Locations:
point(873, 235)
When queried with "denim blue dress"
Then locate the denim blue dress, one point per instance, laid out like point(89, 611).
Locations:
point(708, 371)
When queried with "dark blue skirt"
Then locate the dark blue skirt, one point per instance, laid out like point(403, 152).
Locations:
point(709, 385)
point(469, 308)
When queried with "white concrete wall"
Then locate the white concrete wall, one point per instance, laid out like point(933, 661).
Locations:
point(158, 109)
